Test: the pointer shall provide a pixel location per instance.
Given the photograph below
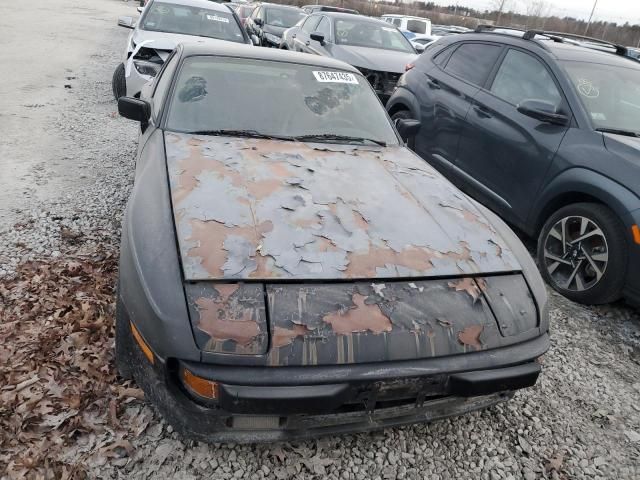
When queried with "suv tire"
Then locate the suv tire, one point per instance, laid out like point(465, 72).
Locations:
point(582, 253)
point(118, 82)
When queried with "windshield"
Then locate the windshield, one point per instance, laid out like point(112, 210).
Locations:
point(219, 93)
point(610, 94)
point(283, 17)
point(185, 20)
point(356, 32)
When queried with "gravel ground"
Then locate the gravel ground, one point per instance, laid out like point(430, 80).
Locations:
point(582, 420)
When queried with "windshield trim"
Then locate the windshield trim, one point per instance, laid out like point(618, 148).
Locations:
point(166, 107)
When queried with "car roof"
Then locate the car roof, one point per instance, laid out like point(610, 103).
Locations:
point(403, 16)
point(278, 5)
point(351, 16)
point(221, 7)
point(230, 49)
point(563, 51)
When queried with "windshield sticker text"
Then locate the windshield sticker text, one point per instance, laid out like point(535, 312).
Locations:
point(216, 18)
point(335, 77)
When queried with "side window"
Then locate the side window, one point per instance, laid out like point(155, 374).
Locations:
point(163, 81)
point(256, 12)
point(311, 23)
point(441, 57)
point(473, 61)
point(397, 22)
point(324, 27)
point(523, 77)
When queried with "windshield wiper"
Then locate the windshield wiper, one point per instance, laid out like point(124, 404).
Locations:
point(618, 131)
point(240, 133)
point(345, 138)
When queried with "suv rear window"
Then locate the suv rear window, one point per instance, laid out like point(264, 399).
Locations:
point(417, 26)
point(473, 61)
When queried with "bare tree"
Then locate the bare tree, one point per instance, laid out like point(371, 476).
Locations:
point(500, 6)
point(537, 11)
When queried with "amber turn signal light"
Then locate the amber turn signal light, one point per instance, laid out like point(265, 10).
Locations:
point(636, 234)
point(203, 387)
point(141, 343)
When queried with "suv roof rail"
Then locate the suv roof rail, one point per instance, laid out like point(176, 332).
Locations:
point(619, 49)
point(488, 27)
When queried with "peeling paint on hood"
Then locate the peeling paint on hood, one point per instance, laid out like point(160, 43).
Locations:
point(271, 209)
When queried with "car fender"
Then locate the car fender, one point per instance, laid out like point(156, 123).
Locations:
point(586, 182)
point(150, 276)
point(403, 99)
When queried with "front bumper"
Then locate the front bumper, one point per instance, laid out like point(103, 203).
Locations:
point(266, 404)
point(632, 287)
point(135, 81)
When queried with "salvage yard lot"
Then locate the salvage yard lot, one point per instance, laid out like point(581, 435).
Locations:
point(67, 166)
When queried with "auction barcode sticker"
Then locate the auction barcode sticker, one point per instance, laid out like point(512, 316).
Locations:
point(335, 77)
point(216, 18)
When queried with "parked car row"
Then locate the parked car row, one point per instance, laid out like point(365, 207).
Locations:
point(290, 268)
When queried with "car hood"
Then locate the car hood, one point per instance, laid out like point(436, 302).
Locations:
point(373, 58)
point(622, 144)
point(168, 41)
point(270, 209)
point(273, 30)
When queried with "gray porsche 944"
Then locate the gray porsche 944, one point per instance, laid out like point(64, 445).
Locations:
point(289, 268)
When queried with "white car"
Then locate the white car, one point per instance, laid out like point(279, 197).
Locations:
point(162, 25)
point(417, 25)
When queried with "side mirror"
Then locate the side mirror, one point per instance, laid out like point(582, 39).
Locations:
point(134, 109)
point(255, 40)
point(258, 21)
point(318, 37)
point(543, 111)
point(408, 128)
point(126, 22)
point(419, 47)
point(140, 9)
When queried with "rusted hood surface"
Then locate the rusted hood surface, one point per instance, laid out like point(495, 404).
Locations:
point(269, 209)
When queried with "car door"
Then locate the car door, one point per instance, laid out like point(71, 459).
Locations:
point(321, 48)
point(505, 152)
point(445, 95)
point(303, 40)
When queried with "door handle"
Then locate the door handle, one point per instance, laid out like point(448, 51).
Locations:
point(482, 111)
point(293, 36)
point(307, 43)
point(433, 83)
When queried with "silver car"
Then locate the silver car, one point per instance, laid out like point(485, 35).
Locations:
point(162, 25)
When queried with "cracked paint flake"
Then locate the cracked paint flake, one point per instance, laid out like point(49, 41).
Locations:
point(470, 336)
point(358, 318)
point(263, 209)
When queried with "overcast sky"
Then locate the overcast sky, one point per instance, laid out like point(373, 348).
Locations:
point(618, 11)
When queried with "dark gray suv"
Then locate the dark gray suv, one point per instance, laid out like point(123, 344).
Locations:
point(545, 132)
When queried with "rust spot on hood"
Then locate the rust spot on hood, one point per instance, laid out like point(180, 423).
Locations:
point(221, 321)
point(284, 336)
point(467, 285)
point(470, 336)
point(364, 265)
point(359, 318)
